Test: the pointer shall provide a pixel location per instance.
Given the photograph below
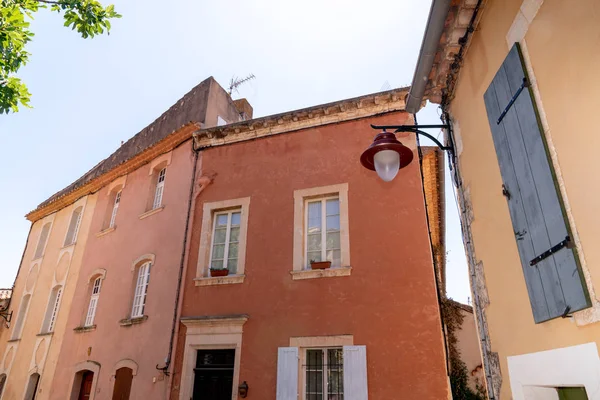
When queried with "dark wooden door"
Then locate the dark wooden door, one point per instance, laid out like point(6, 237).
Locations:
point(123, 379)
point(86, 385)
point(213, 375)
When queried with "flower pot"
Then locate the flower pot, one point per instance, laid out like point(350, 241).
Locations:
point(320, 264)
point(219, 272)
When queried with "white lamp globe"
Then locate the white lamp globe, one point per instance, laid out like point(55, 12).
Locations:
point(387, 164)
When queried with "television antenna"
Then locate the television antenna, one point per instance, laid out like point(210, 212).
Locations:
point(236, 82)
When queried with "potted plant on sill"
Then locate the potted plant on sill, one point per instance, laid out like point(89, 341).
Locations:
point(219, 272)
point(319, 264)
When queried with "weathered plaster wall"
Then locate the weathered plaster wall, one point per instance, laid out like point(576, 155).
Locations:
point(34, 353)
point(564, 51)
point(470, 353)
point(388, 303)
point(161, 235)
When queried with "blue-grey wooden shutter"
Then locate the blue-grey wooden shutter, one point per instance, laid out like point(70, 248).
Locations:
point(355, 373)
point(555, 283)
point(287, 373)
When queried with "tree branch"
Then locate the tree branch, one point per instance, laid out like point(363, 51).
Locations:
point(49, 2)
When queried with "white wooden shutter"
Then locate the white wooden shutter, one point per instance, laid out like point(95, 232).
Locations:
point(287, 373)
point(355, 373)
point(39, 251)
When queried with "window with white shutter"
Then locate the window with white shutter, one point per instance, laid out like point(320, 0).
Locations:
point(113, 215)
point(52, 309)
point(160, 186)
point(41, 245)
point(355, 373)
point(287, 373)
point(91, 313)
point(74, 224)
point(141, 289)
point(549, 261)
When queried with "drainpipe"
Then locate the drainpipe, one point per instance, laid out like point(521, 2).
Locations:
point(204, 182)
point(431, 40)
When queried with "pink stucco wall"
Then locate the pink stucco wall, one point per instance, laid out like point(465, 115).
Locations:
point(160, 234)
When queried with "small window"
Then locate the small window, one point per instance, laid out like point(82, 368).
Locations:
point(141, 289)
point(71, 237)
point(2, 383)
point(52, 310)
point(160, 185)
point(324, 377)
point(18, 327)
point(41, 245)
point(91, 313)
point(115, 208)
point(322, 234)
point(225, 240)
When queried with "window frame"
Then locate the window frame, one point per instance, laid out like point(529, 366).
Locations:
point(40, 251)
point(323, 201)
point(229, 214)
point(159, 188)
point(55, 309)
point(52, 309)
point(301, 196)
point(325, 369)
point(76, 227)
point(94, 298)
point(115, 209)
point(143, 294)
point(209, 210)
point(21, 317)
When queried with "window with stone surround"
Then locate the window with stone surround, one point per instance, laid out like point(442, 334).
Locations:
point(321, 231)
point(223, 241)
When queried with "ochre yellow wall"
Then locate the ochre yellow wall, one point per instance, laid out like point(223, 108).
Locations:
point(40, 353)
point(564, 48)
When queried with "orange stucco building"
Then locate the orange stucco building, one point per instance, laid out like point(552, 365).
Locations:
point(274, 328)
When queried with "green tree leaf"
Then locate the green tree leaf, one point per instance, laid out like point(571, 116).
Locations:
point(88, 17)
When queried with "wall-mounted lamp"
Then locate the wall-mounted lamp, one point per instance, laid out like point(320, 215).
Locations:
point(243, 390)
point(386, 155)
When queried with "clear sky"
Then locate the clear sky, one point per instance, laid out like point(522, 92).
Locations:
point(89, 95)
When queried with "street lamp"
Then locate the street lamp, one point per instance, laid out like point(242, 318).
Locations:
point(386, 155)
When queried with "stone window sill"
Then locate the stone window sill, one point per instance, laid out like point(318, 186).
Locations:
point(133, 321)
point(45, 334)
point(321, 273)
point(66, 246)
point(106, 231)
point(151, 212)
point(13, 340)
point(82, 329)
point(219, 280)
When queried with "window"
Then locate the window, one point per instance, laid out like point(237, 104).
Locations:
point(71, 237)
point(115, 208)
point(324, 378)
point(91, 313)
point(223, 241)
point(323, 231)
point(221, 121)
point(52, 310)
point(18, 327)
point(160, 185)
point(226, 238)
point(141, 289)
point(322, 373)
point(32, 386)
point(555, 282)
point(2, 383)
point(41, 245)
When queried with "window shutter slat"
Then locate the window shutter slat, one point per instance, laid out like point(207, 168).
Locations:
point(287, 373)
point(555, 283)
point(355, 373)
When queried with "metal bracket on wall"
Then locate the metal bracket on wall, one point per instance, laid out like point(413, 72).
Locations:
point(524, 84)
point(552, 250)
point(6, 315)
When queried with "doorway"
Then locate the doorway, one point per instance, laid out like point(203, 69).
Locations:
point(123, 380)
point(85, 389)
point(213, 375)
point(572, 393)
